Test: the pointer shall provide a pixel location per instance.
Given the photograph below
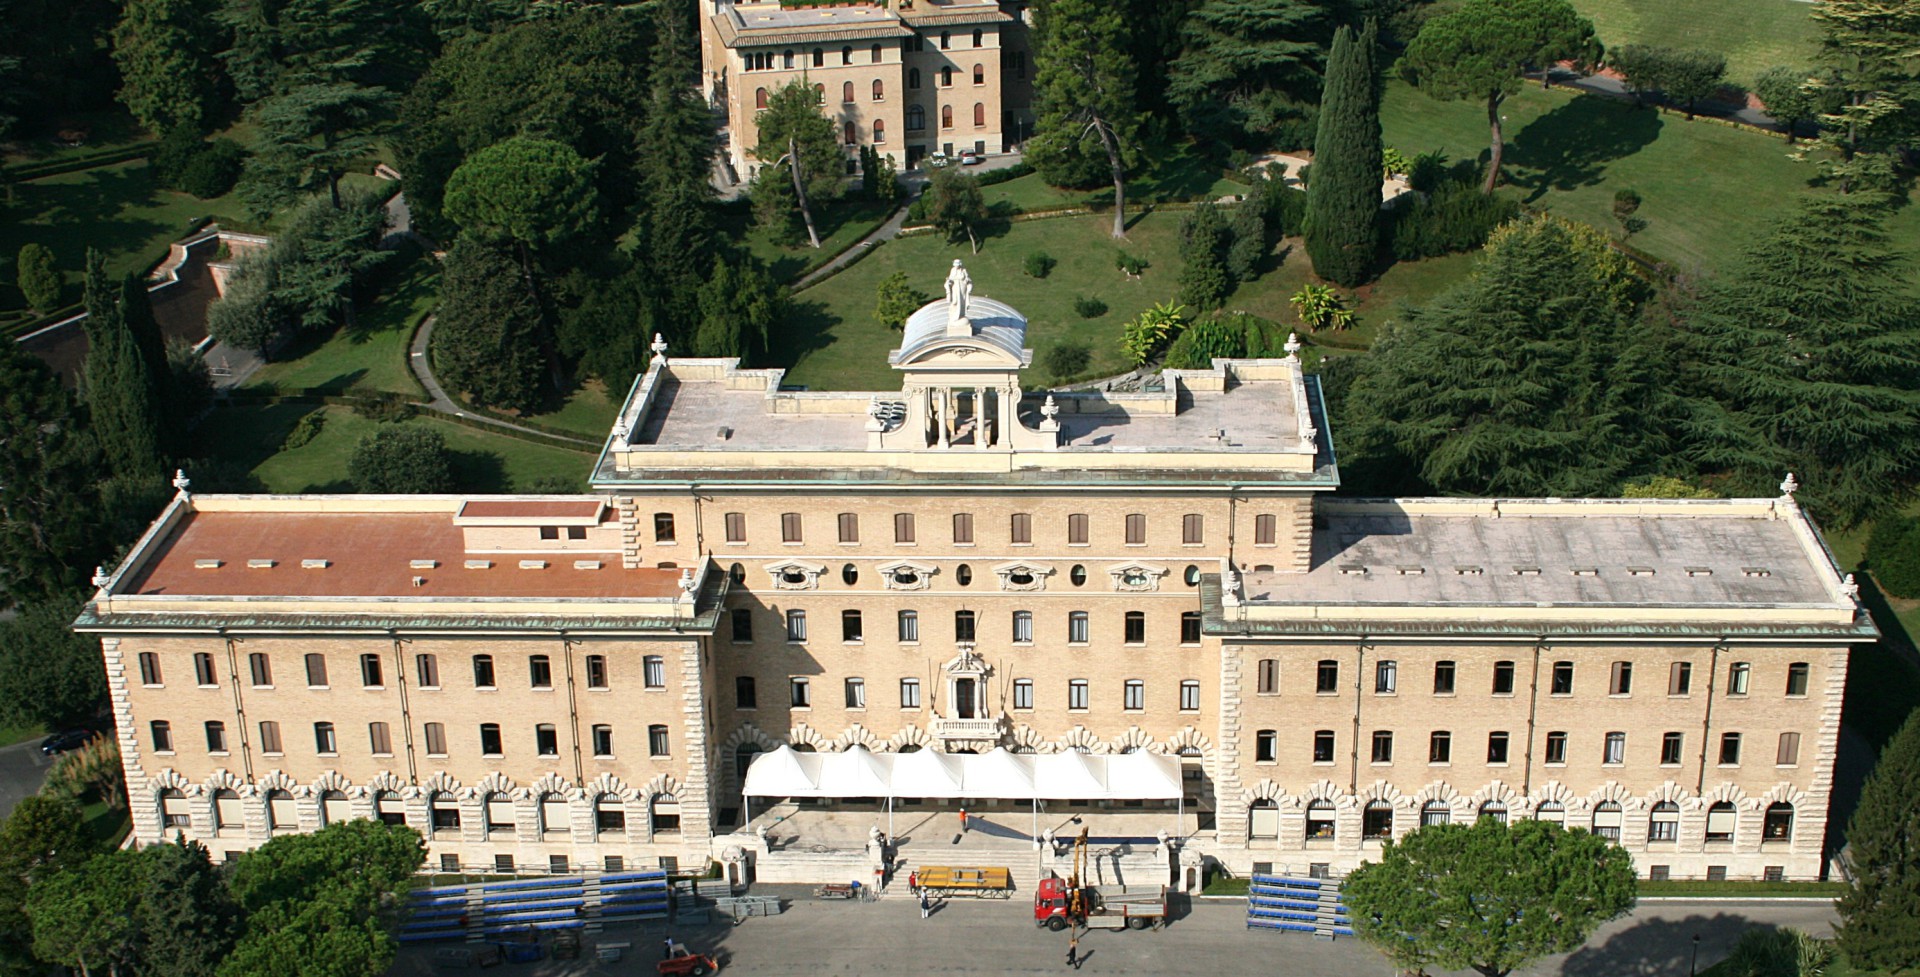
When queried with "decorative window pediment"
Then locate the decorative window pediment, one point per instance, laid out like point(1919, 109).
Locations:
point(907, 574)
point(1023, 576)
point(966, 663)
point(1136, 577)
point(795, 575)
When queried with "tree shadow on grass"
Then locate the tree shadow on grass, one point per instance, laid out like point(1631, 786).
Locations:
point(71, 216)
point(479, 471)
point(244, 435)
point(1661, 947)
point(1571, 146)
point(807, 327)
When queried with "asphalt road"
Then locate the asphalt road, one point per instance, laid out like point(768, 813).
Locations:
point(994, 937)
point(22, 771)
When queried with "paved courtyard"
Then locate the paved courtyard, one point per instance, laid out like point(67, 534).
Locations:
point(888, 937)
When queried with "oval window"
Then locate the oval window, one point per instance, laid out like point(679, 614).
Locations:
point(738, 573)
point(1133, 578)
point(792, 576)
point(1020, 578)
point(963, 574)
point(1193, 576)
point(1078, 575)
point(905, 578)
point(850, 574)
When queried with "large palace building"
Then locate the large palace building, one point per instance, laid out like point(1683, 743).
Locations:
point(1143, 610)
point(911, 79)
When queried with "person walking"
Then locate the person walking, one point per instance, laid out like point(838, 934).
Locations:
point(926, 906)
point(1073, 951)
point(913, 883)
point(963, 820)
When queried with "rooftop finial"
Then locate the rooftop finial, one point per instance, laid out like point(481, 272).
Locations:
point(100, 578)
point(1848, 588)
point(1293, 346)
point(1789, 485)
point(686, 582)
point(180, 480)
point(659, 348)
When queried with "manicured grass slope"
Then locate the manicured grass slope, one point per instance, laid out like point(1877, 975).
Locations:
point(1754, 36)
point(368, 356)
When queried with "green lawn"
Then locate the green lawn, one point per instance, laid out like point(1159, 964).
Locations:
point(1707, 188)
point(588, 411)
point(10, 735)
point(839, 225)
point(106, 826)
point(105, 131)
point(369, 356)
point(485, 462)
point(1754, 36)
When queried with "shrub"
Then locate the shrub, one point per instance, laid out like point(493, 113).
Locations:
point(1148, 334)
point(1320, 307)
point(304, 430)
point(1893, 553)
point(190, 164)
point(1427, 171)
point(1063, 360)
point(1089, 307)
point(1393, 161)
point(401, 460)
point(1039, 264)
point(1454, 217)
point(1131, 264)
point(1250, 242)
point(39, 280)
point(386, 407)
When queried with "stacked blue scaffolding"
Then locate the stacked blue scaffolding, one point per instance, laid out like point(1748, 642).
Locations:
point(509, 909)
point(633, 895)
point(1282, 902)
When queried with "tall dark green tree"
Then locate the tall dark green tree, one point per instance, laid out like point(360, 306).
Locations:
point(1247, 69)
point(83, 917)
point(169, 76)
point(44, 835)
point(679, 234)
point(533, 192)
point(1204, 241)
point(401, 459)
point(50, 677)
point(50, 472)
point(1871, 81)
point(1083, 92)
point(1343, 200)
point(739, 306)
point(123, 393)
point(800, 157)
point(1783, 90)
point(310, 137)
point(1810, 346)
point(1880, 911)
point(186, 921)
point(489, 335)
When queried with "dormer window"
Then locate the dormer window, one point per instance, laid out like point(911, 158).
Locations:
point(906, 575)
point(794, 575)
point(1136, 577)
point(1023, 576)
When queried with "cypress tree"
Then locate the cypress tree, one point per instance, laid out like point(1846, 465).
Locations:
point(136, 307)
point(1880, 911)
point(186, 919)
point(1343, 199)
point(488, 338)
point(121, 391)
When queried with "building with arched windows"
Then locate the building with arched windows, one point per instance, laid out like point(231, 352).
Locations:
point(1140, 610)
point(897, 67)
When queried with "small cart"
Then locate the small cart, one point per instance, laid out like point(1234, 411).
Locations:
point(836, 890)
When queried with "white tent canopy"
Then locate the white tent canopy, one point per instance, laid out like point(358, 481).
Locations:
point(858, 772)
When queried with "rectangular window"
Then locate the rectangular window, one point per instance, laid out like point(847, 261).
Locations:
point(1136, 530)
point(436, 737)
point(1189, 627)
point(1680, 678)
point(162, 735)
point(1621, 681)
point(149, 668)
point(1671, 745)
point(1797, 678)
point(736, 527)
point(379, 740)
point(1789, 752)
point(539, 671)
point(259, 670)
point(1266, 746)
point(910, 693)
point(1720, 822)
point(1077, 627)
point(663, 527)
point(1556, 747)
point(576, 532)
point(1443, 678)
point(370, 675)
point(742, 625)
point(1021, 528)
point(270, 738)
point(1386, 676)
point(963, 625)
point(1269, 677)
point(1263, 529)
point(850, 629)
point(546, 739)
point(1440, 747)
point(483, 671)
point(1077, 694)
point(1133, 695)
point(216, 736)
point(963, 528)
point(549, 532)
point(903, 527)
point(653, 672)
point(790, 527)
point(597, 672)
point(1326, 678)
point(1737, 675)
point(1616, 749)
point(203, 672)
point(427, 671)
point(1193, 529)
point(1077, 529)
point(1496, 747)
point(1729, 749)
point(856, 690)
point(796, 626)
point(1190, 695)
point(324, 740)
point(490, 742)
point(1136, 628)
point(657, 741)
point(1382, 746)
point(744, 696)
point(1664, 825)
point(1562, 681)
point(909, 626)
point(1323, 746)
point(603, 741)
point(1502, 678)
point(849, 527)
point(1022, 627)
point(799, 693)
point(1023, 693)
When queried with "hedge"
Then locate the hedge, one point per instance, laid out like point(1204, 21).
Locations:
point(85, 161)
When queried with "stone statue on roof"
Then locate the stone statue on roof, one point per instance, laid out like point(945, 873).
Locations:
point(959, 291)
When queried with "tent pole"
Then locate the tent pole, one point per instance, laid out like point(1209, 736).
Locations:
point(889, 818)
point(746, 800)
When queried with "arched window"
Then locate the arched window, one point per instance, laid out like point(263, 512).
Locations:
point(820, 94)
point(1721, 819)
point(1264, 819)
point(556, 815)
point(875, 51)
point(979, 74)
point(333, 808)
point(1376, 824)
point(387, 808)
point(759, 98)
point(609, 815)
point(498, 809)
point(946, 77)
point(879, 131)
point(916, 118)
point(946, 116)
point(737, 574)
point(1778, 825)
point(1320, 821)
point(819, 58)
point(978, 35)
point(846, 91)
point(946, 40)
point(879, 90)
point(1494, 810)
point(786, 59)
point(1606, 821)
point(847, 133)
point(979, 114)
point(281, 817)
point(913, 78)
point(664, 812)
point(1663, 822)
point(443, 813)
point(1551, 811)
point(173, 808)
point(846, 54)
point(226, 810)
point(1434, 812)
